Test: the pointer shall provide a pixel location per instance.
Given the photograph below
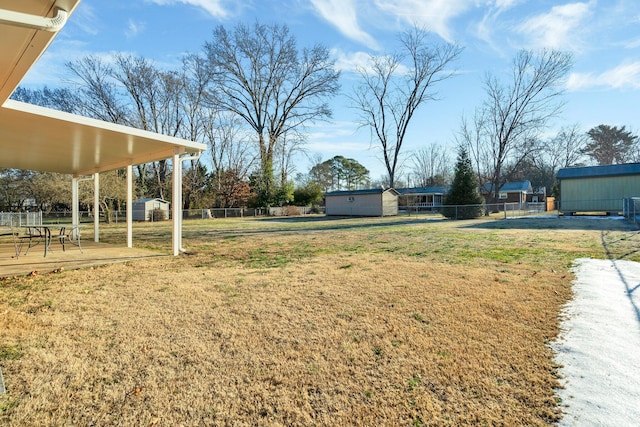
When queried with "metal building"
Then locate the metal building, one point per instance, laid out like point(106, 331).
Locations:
point(597, 188)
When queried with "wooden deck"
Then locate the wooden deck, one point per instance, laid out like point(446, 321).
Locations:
point(93, 254)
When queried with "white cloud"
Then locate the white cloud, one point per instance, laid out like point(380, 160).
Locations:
point(623, 76)
point(632, 44)
point(434, 15)
point(212, 7)
point(85, 19)
point(350, 62)
point(559, 28)
point(342, 15)
point(134, 28)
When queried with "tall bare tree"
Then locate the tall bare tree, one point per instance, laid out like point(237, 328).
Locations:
point(508, 125)
point(276, 89)
point(133, 91)
point(431, 166)
point(565, 149)
point(394, 86)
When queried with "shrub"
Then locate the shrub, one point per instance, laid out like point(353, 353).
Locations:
point(157, 215)
point(290, 211)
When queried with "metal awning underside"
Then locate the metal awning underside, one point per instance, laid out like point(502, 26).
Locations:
point(36, 138)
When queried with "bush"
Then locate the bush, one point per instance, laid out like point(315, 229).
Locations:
point(157, 215)
point(290, 211)
point(462, 211)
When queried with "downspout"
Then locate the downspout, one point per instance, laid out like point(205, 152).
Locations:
point(35, 22)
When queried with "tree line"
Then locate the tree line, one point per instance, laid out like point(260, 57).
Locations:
point(251, 94)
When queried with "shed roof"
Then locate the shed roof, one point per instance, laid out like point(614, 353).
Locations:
point(356, 192)
point(599, 171)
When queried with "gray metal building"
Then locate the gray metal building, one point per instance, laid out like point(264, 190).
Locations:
point(597, 188)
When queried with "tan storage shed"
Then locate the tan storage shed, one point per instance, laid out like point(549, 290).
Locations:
point(597, 188)
point(373, 202)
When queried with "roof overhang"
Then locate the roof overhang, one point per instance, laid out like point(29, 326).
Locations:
point(42, 139)
point(27, 27)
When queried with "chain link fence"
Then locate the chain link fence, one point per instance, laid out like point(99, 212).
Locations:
point(498, 210)
point(20, 219)
point(189, 214)
point(631, 209)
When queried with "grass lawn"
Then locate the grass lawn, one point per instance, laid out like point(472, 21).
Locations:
point(303, 321)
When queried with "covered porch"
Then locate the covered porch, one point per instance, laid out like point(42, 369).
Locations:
point(41, 139)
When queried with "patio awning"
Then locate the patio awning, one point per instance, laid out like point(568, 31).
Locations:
point(42, 139)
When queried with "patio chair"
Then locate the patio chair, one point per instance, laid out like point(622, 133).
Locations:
point(8, 231)
point(32, 236)
point(71, 235)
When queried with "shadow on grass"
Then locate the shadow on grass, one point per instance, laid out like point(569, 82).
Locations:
point(311, 224)
point(631, 287)
point(603, 223)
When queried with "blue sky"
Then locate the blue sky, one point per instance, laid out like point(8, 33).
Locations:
point(603, 35)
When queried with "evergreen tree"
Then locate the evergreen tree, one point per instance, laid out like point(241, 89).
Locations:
point(464, 191)
point(610, 145)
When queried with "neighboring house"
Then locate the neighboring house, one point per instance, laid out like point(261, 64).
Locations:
point(143, 209)
point(597, 188)
point(421, 198)
point(538, 195)
point(373, 202)
point(511, 192)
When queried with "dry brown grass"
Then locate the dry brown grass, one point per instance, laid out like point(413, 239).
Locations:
point(264, 322)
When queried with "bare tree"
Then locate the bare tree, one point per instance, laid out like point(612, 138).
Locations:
point(431, 166)
point(156, 97)
point(99, 95)
point(231, 155)
point(508, 124)
point(290, 145)
point(113, 191)
point(566, 148)
point(263, 78)
point(395, 85)
point(133, 91)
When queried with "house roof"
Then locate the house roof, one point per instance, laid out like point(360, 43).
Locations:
point(510, 187)
point(599, 171)
point(150, 199)
point(36, 138)
point(357, 192)
point(414, 191)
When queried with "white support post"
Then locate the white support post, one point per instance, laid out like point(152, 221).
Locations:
point(75, 205)
point(177, 204)
point(129, 206)
point(96, 207)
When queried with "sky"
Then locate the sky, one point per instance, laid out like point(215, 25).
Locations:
point(603, 36)
point(598, 348)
